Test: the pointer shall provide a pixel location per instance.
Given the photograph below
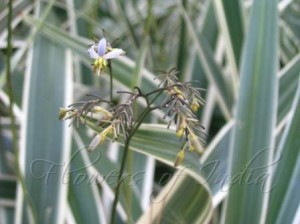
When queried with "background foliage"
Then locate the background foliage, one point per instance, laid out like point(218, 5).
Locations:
point(244, 53)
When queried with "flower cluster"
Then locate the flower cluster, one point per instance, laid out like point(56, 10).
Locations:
point(102, 52)
point(181, 103)
point(81, 111)
point(120, 122)
point(113, 121)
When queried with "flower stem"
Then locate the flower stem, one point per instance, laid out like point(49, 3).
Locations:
point(11, 114)
point(117, 190)
point(125, 155)
point(139, 121)
point(110, 82)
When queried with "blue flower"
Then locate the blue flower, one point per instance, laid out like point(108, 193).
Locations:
point(102, 53)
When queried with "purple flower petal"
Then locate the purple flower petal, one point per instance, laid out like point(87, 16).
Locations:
point(114, 53)
point(102, 47)
point(92, 52)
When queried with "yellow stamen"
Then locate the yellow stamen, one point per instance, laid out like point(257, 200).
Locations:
point(99, 64)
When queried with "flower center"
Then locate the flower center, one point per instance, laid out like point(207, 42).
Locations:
point(100, 63)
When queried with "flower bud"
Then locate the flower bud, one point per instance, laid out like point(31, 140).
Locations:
point(179, 158)
point(98, 109)
point(195, 106)
point(180, 132)
point(195, 143)
point(95, 142)
point(62, 113)
point(100, 138)
point(192, 149)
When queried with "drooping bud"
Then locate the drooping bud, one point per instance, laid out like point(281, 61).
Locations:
point(62, 113)
point(195, 106)
point(192, 149)
point(180, 132)
point(100, 138)
point(179, 158)
point(181, 125)
point(98, 109)
point(195, 143)
point(94, 143)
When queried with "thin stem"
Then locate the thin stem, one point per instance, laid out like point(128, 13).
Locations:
point(117, 190)
point(155, 91)
point(125, 155)
point(127, 188)
point(11, 113)
point(110, 82)
point(161, 89)
point(126, 150)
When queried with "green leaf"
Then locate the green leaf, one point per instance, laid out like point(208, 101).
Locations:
point(183, 200)
point(157, 141)
point(231, 25)
point(84, 194)
point(288, 77)
point(18, 8)
point(46, 140)
point(291, 17)
point(252, 142)
point(7, 215)
point(214, 162)
point(102, 170)
point(284, 196)
point(210, 25)
point(212, 70)
point(162, 144)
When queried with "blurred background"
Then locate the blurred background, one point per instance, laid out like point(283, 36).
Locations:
point(244, 53)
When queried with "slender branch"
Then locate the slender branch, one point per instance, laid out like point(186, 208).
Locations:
point(161, 89)
point(125, 155)
point(117, 190)
point(11, 113)
point(111, 81)
point(138, 123)
point(155, 91)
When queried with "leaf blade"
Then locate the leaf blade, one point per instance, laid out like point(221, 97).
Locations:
point(252, 141)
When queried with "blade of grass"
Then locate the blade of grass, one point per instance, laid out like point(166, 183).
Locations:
point(42, 78)
point(170, 207)
point(252, 142)
point(231, 24)
point(287, 87)
point(99, 165)
point(84, 194)
point(284, 197)
point(212, 70)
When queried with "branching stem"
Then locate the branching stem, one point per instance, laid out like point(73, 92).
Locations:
point(138, 123)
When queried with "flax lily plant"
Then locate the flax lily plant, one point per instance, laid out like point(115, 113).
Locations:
point(213, 141)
